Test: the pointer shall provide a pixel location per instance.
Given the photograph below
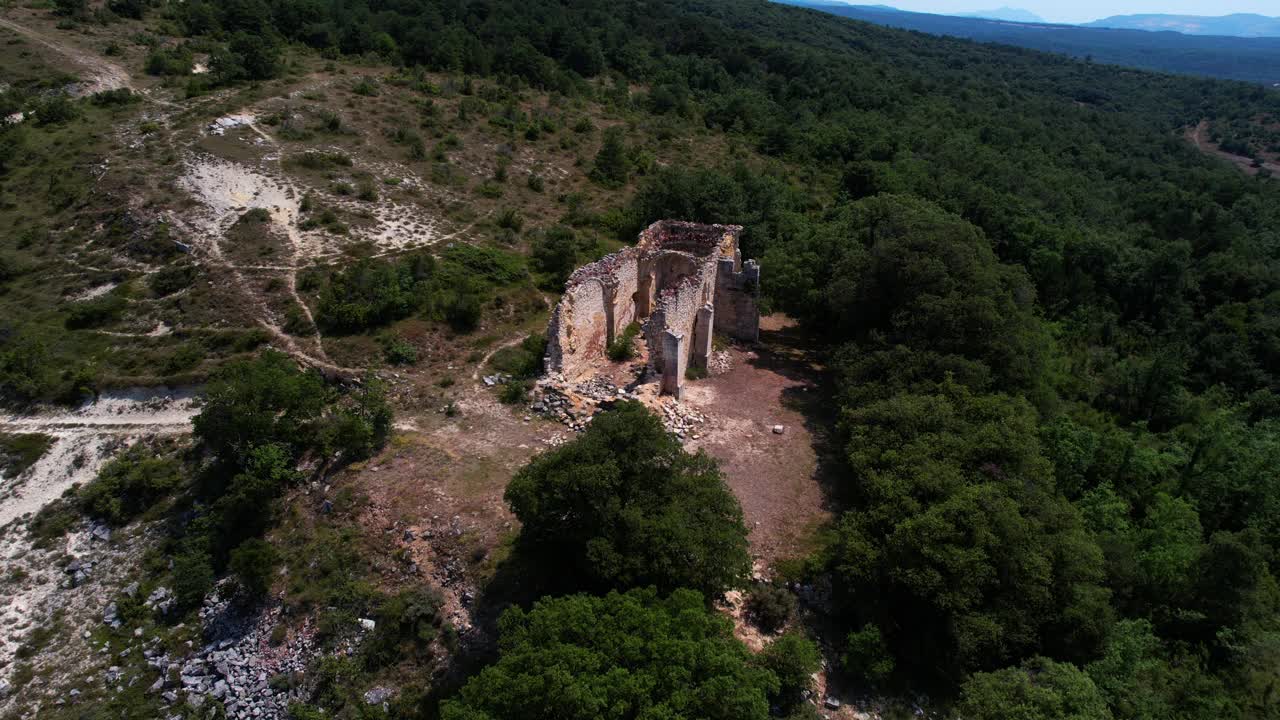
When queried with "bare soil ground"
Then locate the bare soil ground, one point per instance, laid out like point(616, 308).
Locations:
point(777, 477)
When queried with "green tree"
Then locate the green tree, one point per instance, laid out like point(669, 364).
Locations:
point(611, 166)
point(261, 401)
point(793, 659)
point(623, 505)
point(620, 656)
point(1040, 689)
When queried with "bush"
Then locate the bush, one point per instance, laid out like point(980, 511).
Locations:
point(192, 577)
point(257, 402)
point(557, 253)
point(170, 280)
point(96, 312)
point(25, 373)
point(253, 563)
point(115, 98)
point(623, 505)
point(54, 109)
point(361, 423)
point(513, 392)
point(318, 160)
point(129, 485)
point(170, 61)
point(397, 351)
point(867, 658)
point(1040, 689)
point(623, 347)
point(406, 625)
point(771, 606)
point(522, 361)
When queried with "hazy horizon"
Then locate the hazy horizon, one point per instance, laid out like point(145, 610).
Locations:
point(1086, 10)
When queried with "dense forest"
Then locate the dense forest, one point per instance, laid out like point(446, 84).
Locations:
point(1052, 333)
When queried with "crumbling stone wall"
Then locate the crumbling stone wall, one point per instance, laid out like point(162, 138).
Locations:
point(679, 280)
point(738, 300)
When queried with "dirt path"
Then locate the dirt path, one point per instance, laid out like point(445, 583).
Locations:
point(286, 217)
point(1199, 136)
point(85, 438)
point(104, 75)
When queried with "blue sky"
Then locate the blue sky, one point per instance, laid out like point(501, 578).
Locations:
point(1084, 10)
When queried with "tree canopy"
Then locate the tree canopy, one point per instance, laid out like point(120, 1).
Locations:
point(625, 655)
point(623, 505)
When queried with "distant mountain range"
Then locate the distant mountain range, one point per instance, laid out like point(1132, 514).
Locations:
point(1007, 14)
point(1238, 25)
point(1252, 59)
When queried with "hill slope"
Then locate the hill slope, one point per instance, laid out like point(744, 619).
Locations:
point(1237, 25)
point(1250, 59)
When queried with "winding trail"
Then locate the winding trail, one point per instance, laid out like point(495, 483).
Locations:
point(287, 218)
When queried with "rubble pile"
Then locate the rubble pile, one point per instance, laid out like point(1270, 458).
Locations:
point(719, 362)
point(496, 379)
point(576, 405)
point(681, 420)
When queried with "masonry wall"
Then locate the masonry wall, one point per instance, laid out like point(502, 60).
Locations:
point(737, 300)
point(578, 331)
point(626, 285)
point(678, 312)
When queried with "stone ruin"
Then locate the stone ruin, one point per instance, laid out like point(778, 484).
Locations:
point(682, 282)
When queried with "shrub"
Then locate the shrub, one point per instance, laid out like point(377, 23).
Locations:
point(867, 657)
point(571, 658)
point(513, 392)
point(25, 373)
point(170, 61)
point(397, 351)
point(54, 109)
point(623, 347)
point(192, 576)
point(170, 280)
point(771, 606)
point(406, 625)
point(129, 485)
point(96, 312)
point(521, 361)
point(256, 215)
point(253, 563)
point(115, 98)
point(318, 160)
point(510, 219)
point(260, 401)
point(19, 452)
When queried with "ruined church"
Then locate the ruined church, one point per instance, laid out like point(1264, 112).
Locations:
point(682, 282)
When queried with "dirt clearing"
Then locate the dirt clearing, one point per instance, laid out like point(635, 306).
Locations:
point(776, 476)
